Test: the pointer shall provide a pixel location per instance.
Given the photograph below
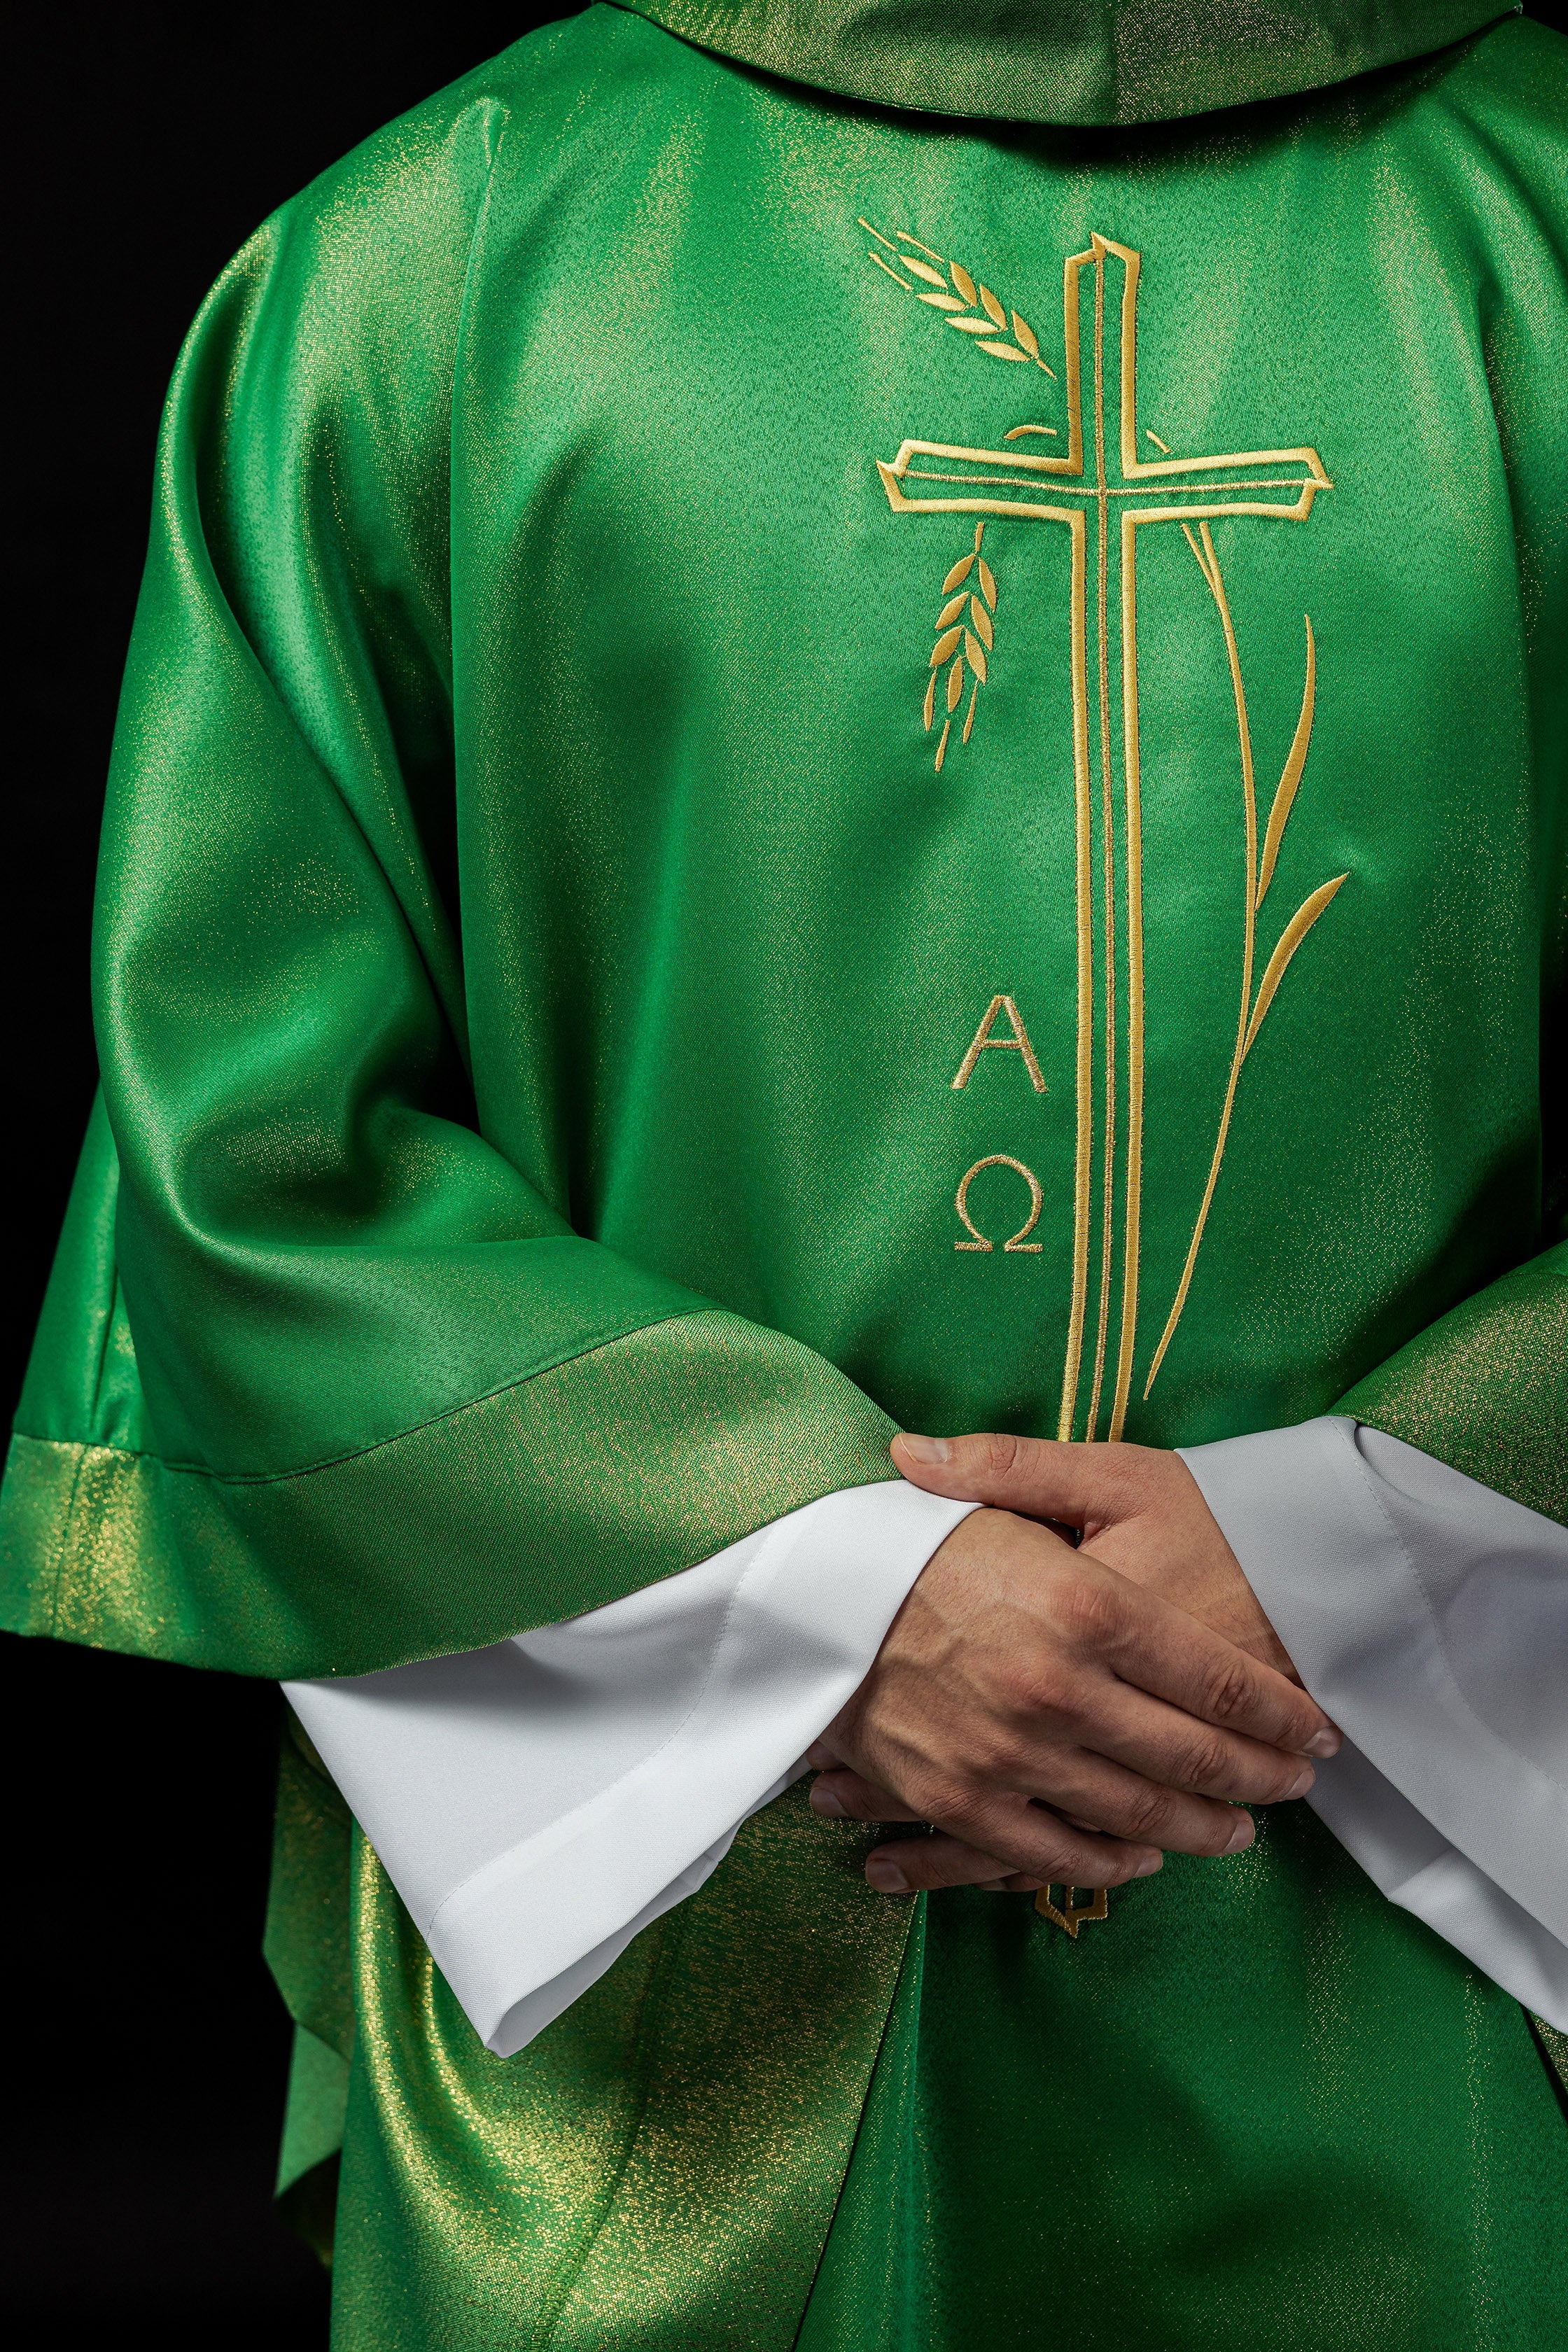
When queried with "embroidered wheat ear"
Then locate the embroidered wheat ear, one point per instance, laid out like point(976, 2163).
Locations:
point(970, 307)
point(964, 637)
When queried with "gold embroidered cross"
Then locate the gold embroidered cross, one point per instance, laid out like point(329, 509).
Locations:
point(1101, 483)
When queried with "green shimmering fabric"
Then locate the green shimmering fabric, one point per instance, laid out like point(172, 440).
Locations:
point(554, 894)
point(1068, 61)
point(1486, 1387)
point(1366, 2158)
point(506, 1515)
point(659, 2169)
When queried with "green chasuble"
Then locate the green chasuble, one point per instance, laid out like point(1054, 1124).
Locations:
point(847, 716)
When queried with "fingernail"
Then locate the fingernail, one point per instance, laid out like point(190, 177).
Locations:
point(1242, 1835)
point(1147, 1869)
point(1325, 1743)
point(886, 1875)
point(923, 1449)
point(822, 1800)
point(1300, 1784)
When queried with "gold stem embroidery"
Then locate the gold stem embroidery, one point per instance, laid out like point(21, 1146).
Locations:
point(1251, 1016)
point(1132, 824)
point(1108, 853)
point(1083, 828)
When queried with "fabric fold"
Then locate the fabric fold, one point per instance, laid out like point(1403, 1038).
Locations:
point(1429, 1616)
point(538, 1802)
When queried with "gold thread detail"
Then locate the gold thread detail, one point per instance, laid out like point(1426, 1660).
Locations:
point(1253, 1010)
point(958, 291)
point(1108, 862)
point(1285, 796)
point(1019, 1242)
point(983, 1041)
point(1280, 484)
point(1072, 1915)
point(891, 271)
point(966, 636)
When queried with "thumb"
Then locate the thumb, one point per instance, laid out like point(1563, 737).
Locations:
point(1038, 1477)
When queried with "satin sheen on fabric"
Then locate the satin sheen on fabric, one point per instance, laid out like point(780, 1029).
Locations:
point(537, 1804)
point(534, 952)
point(1067, 61)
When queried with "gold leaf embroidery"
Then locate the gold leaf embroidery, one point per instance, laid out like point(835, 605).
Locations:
point(956, 293)
point(941, 747)
point(952, 609)
point(988, 587)
point(930, 704)
point(955, 683)
point(1284, 797)
point(1290, 939)
point(961, 571)
point(977, 655)
point(982, 620)
point(944, 645)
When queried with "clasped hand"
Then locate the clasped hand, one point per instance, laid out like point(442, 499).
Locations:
point(1061, 1713)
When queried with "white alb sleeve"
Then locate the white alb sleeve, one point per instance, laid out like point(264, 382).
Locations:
point(537, 1802)
point(1428, 1616)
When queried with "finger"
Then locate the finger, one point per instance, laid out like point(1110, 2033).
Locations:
point(1040, 1477)
point(1155, 1646)
point(1008, 1837)
point(844, 1796)
point(1160, 1743)
point(941, 1861)
point(1091, 1793)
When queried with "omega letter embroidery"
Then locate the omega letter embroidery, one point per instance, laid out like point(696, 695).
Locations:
point(1037, 1201)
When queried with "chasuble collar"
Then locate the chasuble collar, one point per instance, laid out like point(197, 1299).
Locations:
point(1069, 62)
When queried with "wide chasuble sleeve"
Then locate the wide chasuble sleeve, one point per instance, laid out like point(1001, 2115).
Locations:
point(326, 1379)
point(610, 993)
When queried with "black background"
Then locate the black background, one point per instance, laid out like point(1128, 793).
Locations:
point(147, 2050)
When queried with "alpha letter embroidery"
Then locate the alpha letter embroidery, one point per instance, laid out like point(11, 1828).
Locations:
point(983, 1041)
point(1102, 493)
